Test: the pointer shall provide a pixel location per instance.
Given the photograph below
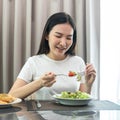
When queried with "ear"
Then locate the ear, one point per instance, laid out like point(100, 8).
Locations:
point(46, 37)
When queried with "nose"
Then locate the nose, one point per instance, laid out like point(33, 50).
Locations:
point(63, 42)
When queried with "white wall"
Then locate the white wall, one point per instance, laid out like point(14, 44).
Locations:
point(110, 50)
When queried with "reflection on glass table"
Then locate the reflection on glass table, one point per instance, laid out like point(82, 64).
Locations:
point(110, 115)
point(69, 115)
point(78, 115)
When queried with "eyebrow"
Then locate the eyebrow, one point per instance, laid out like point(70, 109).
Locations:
point(62, 34)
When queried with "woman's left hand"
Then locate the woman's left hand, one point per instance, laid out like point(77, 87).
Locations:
point(90, 74)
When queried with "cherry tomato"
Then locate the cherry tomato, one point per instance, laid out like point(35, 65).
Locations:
point(71, 73)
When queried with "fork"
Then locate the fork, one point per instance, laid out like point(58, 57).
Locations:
point(77, 73)
point(38, 104)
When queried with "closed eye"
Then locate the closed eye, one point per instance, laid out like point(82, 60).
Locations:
point(69, 38)
point(58, 36)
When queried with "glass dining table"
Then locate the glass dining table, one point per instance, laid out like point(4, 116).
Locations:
point(51, 110)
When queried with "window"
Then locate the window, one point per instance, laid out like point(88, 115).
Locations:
point(110, 50)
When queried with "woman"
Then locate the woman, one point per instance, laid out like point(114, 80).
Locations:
point(56, 55)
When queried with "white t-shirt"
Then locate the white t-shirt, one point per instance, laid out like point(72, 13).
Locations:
point(38, 65)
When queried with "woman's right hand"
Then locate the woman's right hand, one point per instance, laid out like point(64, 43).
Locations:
point(22, 89)
point(48, 79)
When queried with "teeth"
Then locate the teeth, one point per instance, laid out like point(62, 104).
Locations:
point(61, 48)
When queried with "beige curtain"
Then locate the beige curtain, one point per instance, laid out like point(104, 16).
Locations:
point(21, 26)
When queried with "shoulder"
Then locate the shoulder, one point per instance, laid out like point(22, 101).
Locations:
point(76, 58)
point(35, 57)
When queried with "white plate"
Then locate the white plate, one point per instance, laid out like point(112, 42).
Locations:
point(17, 100)
point(72, 102)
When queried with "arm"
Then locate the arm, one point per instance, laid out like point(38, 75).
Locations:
point(90, 75)
point(23, 89)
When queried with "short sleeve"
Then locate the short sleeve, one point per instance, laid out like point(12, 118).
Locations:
point(26, 71)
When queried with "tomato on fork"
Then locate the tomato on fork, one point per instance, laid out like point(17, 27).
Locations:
point(71, 73)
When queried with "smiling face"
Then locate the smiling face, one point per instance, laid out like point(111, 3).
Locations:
point(60, 40)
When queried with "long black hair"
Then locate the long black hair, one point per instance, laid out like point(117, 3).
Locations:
point(57, 18)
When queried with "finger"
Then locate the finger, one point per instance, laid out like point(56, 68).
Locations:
point(49, 77)
point(90, 68)
point(91, 73)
